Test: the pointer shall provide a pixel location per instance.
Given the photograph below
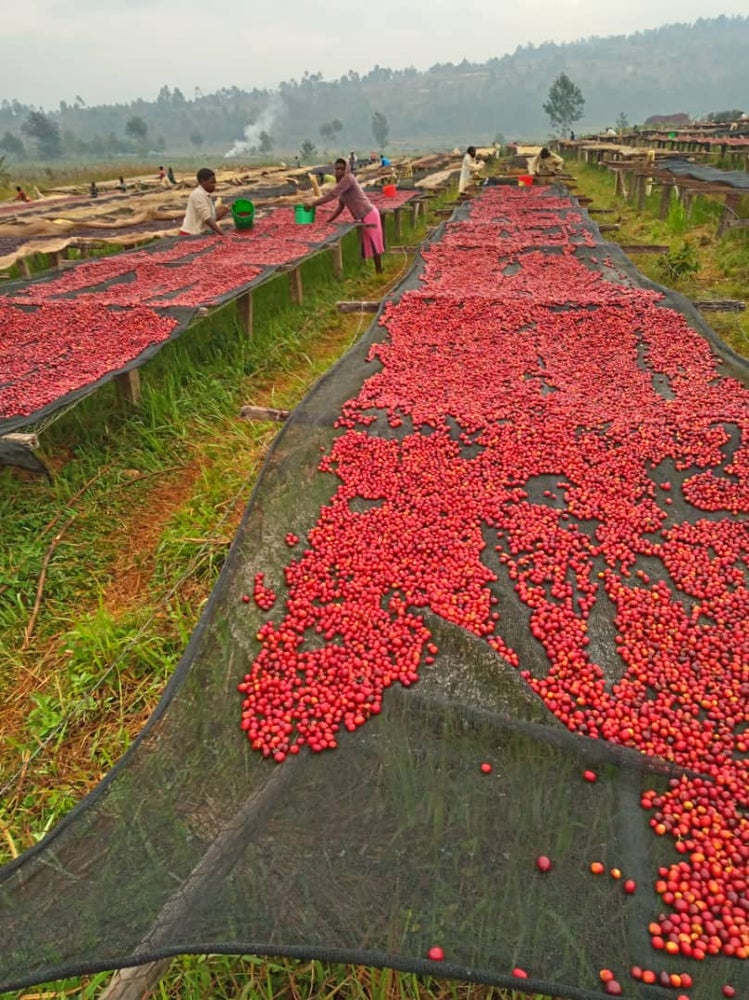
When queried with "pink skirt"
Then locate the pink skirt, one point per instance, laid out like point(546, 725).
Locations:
point(371, 234)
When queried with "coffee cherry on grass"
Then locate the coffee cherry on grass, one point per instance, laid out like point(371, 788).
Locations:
point(486, 768)
point(435, 953)
point(543, 863)
point(590, 776)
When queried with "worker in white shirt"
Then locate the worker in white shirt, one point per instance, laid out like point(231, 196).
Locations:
point(469, 170)
point(202, 214)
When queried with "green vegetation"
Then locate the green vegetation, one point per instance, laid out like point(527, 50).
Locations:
point(697, 264)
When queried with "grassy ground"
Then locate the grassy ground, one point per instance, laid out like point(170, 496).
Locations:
point(105, 572)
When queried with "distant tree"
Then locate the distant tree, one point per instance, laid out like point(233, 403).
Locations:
point(622, 122)
point(326, 130)
point(4, 173)
point(307, 150)
point(265, 142)
point(336, 125)
point(46, 133)
point(380, 129)
point(196, 138)
point(12, 145)
point(725, 116)
point(565, 104)
point(136, 129)
point(177, 96)
point(164, 96)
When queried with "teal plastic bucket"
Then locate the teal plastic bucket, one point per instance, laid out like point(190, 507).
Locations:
point(243, 213)
point(304, 215)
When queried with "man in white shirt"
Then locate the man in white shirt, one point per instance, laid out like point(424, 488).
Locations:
point(469, 170)
point(202, 214)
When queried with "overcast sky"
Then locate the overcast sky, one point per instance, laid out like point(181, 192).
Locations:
point(109, 51)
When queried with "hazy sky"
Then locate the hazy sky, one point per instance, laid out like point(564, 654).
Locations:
point(109, 51)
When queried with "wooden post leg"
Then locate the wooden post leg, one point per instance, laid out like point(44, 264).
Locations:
point(641, 190)
point(295, 283)
point(85, 252)
point(665, 201)
point(397, 223)
point(244, 312)
point(54, 259)
point(730, 206)
point(128, 387)
point(23, 263)
point(337, 253)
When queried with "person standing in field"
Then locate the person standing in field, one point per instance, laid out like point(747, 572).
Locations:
point(350, 195)
point(469, 170)
point(202, 213)
point(21, 194)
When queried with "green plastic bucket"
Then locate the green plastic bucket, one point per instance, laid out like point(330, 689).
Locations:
point(304, 215)
point(243, 213)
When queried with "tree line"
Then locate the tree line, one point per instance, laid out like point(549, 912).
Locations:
point(691, 69)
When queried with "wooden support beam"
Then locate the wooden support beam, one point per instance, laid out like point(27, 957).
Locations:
point(665, 202)
point(27, 440)
point(609, 227)
point(244, 311)
point(738, 224)
point(443, 212)
point(719, 305)
point(643, 248)
point(23, 263)
point(295, 285)
point(406, 249)
point(397, 223)
point(352, 307)
point(601, 211)
point(267, 413)
point(137, 982)
point(337, 254)
point(128, 387)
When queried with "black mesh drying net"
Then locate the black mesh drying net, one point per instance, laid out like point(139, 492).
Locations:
point(526, 488)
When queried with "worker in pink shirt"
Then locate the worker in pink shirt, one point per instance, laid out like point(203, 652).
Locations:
point(350, 195)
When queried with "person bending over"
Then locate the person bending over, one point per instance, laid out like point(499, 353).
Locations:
point(546, 164)
point(350, 195)
point(202, 214)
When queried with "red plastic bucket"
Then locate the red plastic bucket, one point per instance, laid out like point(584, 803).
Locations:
point(389, 190)
point(525, 180)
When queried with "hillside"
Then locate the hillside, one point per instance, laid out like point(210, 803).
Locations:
point(693, 68)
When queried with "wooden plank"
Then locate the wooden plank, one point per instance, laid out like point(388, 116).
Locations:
point(295, 285)
point(397, 223)
point(137, 982)
point(267, 413)
point(643, 248)
point(608, 227)
point(601, 211)
point(128, 387)
point(354, 306)
point(244, 311)
point(27, 440)
point(337, 254)
point(719, 305)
